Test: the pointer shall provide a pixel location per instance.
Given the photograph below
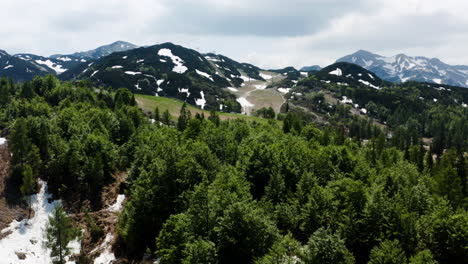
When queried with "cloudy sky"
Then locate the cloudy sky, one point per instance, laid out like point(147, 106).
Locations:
point(268, 33)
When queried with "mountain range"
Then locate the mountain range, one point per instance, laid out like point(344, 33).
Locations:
point(23, 66)
point(207, 80)
point(401, 68)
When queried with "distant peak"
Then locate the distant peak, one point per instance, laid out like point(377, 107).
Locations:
point(362, 52)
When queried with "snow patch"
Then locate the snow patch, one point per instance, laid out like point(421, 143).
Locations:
point(27, 236)
point(369, 84)
point(117, 206)
point(244, 103)
point(57, 68)
point(179, 68)
point(284, 90)
point(201, 102)
point(2, 141)
point(266, 76)
point(336, 72)
point(204, 74)
point(132, 73)
point(438, 81)
point(140, 61)
point(184, 90)
point(346, 100)
point(94, 73)
point(8, 66)
point(117, 67)
point(107, 256)
point(64, 59)
point(233, 89)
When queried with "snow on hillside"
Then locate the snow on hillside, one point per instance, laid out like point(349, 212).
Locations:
point(179, 63)
point(266, 76)
point(244, 103)
point(27, 236)
point(204, 74)
point(336, 72)
point(401, 68)
point(107, 256)
point(201, 102)
point(56, 67)
point(117, 207)
point(284, 90)
point(2, 141)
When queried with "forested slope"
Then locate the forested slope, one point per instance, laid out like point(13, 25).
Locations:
point(202, 190)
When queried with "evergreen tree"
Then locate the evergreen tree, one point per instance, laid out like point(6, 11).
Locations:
point(388, 252)
point(166, 118)
point(157, 116)
point(214, 117)
point(28, 186)
point(59, 232)
point(184, 118)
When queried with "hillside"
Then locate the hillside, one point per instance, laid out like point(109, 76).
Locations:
point(19, 69)
point(228, 188)
point(171, 70)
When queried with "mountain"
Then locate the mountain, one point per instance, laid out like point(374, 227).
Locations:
point(19, 69)
point(24, 66)
point(172, 71)
point(344, 73)
point(311, 68)
point(401, 68)
point(54, 65)
point(98, 52)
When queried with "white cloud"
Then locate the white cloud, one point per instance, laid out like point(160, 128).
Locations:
point(269, 33)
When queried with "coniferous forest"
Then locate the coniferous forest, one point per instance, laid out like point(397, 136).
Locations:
point(204, 190)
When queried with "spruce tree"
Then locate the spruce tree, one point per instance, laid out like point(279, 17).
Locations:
point(184, 118)
point(59, 232)
point(29, 185)
point(157, 116)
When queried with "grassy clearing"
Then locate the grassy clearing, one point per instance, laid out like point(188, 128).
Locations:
point(148, 103)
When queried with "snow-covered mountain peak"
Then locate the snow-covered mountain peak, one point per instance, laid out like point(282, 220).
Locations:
point(401, 68)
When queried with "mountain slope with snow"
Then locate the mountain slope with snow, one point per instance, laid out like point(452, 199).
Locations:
point(173, 71)
point(19, 69)
point(343, 73)
point(401, 68)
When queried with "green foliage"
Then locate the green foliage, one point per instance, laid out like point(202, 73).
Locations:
point(212, 191)
point(59, 232)
point(324, 247)
point(388, 252)
point(200, 251)
point(244, 233)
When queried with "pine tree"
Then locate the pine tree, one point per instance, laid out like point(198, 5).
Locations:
point(184, 118)
point(166, 118)
point(214, 117)
point(157, 117)
point(59, 232)
point(29, 185)
point(20, 142)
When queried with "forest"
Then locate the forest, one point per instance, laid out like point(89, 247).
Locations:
point(202, 190)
